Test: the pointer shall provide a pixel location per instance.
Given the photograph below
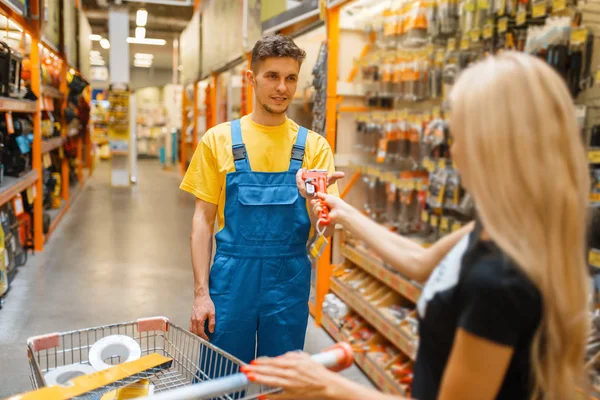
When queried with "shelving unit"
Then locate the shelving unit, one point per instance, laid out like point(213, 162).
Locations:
point(52, 144)
point(8, 104)
point(13, 186)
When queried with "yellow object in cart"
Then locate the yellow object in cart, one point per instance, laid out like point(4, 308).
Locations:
point(136, 390)
point(87, 383)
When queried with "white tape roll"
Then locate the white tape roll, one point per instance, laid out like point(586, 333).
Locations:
point(124, 347)
point(62, 375)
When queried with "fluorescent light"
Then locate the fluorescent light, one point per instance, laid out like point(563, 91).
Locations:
point(94, 53)
point(142, 62)
point(97, 62)
point(105, 44)
point(141, 17)
point(155, 42)
point(95, 38)
point(140, 32)
point(143, 56)
point(142, 65)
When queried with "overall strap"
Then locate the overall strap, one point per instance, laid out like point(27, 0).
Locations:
point(240, 157)
point(298, 150)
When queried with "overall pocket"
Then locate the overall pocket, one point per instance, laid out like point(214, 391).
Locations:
point(267, 212)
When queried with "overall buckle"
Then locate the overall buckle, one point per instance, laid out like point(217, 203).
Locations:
point(297, 153)
point(239, 152)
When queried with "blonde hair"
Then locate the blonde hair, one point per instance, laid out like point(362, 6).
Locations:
point(525, 166)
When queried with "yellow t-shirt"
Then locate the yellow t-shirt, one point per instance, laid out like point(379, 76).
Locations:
point(269, 149)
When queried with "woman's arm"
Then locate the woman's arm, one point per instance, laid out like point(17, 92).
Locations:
point(476, 368)
point(302, 378)
point(405, 255)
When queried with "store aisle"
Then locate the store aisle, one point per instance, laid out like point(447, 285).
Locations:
point(117, 255)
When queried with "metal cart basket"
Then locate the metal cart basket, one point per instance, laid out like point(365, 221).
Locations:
point(194, 359)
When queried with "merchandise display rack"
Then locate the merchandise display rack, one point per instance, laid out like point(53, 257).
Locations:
point(46, 79)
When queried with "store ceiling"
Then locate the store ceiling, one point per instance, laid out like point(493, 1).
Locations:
point(164, 22)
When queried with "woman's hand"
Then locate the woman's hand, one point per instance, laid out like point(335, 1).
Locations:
point(331, 179)
point(339, 210)
point(296, 373)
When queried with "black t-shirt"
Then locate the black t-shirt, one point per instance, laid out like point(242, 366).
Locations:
point(477, 288)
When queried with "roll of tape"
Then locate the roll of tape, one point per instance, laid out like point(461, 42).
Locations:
point(124, 347)
point(62, 375)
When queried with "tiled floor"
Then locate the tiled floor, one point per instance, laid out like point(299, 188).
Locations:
point(117, 255)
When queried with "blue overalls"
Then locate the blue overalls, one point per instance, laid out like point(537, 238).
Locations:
point(260, 279)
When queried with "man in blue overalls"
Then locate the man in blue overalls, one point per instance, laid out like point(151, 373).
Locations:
point(247, 174)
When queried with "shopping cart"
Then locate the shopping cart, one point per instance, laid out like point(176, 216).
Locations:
point(199, 370)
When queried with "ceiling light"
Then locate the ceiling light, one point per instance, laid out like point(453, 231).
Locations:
point(95, 38)
point(140, 32)
point(143, 56)
point(142, 64)
point(141, 17)
point(105, 44)
point(156, 42)
point(94, 53)
point(97, 62)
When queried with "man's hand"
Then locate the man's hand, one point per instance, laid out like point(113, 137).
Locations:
point(203, 310)
point(331, 179)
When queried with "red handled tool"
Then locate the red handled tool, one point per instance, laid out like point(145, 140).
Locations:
point(316, 181)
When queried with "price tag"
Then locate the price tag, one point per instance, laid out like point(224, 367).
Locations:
point(424, 216)
point(488, 32)
point(47, 160)
point(594, 156)
point(464, 43)
point(18, 204)
point(578, 36)
point(444, 224)
point(539, 9)
point(502, 25)
point(433, 221)
point(483, 4)
point(502, 8)
point(558, 5)
point(594, 258)
point(10, 127)
point(456, 226)
point(521, 17)
point(451, 44)
point(475, 34)
point(30, 194)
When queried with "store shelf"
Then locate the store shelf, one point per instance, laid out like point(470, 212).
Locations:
point(52, 144)
point(375, 318)
point(13, 186)
point(371, 369)
point(50, 91)
point(17, 105)
point(376, 268)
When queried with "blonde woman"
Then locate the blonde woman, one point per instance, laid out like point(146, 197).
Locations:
point(503, 313)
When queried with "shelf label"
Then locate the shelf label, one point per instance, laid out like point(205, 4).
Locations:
point(558, 5)
point(578, 36)
point(433, 221)
point(456, 226)
point(594, 156)
point(521, 17)
point(594, 258)
point(10, 127)
point(464, 43)
point(488, 31)
point(451, 44)
point(444, 223)
point(539, 9)
point(502, 25)
point(424, 216)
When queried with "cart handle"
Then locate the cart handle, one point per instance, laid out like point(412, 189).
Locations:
point(335, 358)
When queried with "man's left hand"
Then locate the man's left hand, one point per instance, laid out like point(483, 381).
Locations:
point(331, 179)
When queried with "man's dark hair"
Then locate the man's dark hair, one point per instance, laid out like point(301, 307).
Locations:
point(276, 46)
